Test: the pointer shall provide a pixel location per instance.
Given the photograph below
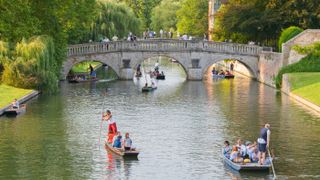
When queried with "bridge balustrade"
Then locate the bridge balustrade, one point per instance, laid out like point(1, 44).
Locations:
point(162, 46)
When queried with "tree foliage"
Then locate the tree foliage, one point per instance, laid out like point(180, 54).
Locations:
point(142, 9)
point(288, 34)
point(113, 19)
point(193, 17)
point(263, 21)
point(32, 65)
point(164, 15)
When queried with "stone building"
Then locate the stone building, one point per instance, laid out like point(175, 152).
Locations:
point(214, 5)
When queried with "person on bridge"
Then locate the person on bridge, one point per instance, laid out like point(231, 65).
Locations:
point(263, 143)
point(112, 126)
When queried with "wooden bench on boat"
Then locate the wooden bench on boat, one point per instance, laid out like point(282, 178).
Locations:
point(121, 152)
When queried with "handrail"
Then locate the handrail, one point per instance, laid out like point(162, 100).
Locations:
point(162, 45)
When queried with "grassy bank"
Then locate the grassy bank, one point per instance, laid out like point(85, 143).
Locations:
point(306, 85)
point(84, 66)
point(8, 93)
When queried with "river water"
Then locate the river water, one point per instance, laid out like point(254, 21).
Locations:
point(179, 128)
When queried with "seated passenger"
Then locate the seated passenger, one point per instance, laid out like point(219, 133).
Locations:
point(252, 151)
point(227, 149)
point(115, 137)
point(228, 73)
point(221, 72)
point(117, 142)
point(235, 155)
point(15, 104)
point(146, 85)
point(127, 143)
point(242, 148)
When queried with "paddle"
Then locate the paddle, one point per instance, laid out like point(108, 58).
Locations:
point(101, 121)
point(272, 166)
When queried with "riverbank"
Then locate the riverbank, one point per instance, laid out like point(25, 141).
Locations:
point(9, 93)
point(304, 87)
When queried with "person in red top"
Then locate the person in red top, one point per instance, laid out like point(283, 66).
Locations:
point(112, 126)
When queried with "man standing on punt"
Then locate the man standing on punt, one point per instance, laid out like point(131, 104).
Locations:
point(263, 143)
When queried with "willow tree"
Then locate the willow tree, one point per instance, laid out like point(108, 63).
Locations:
point(114, 19)
point(32, 65)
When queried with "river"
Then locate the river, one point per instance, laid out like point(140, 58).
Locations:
point(179, 128)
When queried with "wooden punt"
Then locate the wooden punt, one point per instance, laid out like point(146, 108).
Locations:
point(14, 112)
point(229, 76)
point(254, 166)
point(121, 152)
point(82, 80)
point(161, 77)
point(222, 76)
point(148, 89)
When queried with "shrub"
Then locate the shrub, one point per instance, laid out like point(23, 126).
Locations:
point(310, 63)
point(288, 34)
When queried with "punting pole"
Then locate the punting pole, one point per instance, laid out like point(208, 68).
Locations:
point(272, 166)
point(101, 120)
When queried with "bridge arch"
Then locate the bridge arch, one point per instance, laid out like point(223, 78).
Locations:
point(110, 60)
point(250, 62)
point(146, 56)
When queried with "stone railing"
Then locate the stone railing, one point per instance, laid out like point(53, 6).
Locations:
point(163, 46)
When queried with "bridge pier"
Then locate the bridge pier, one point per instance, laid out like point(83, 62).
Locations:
point(194, 74)
point(126, 74)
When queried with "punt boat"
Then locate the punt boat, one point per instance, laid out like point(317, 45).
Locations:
point(121, 152)
point(15, 111)
point(253, 166)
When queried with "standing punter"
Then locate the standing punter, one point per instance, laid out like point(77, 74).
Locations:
point(263, 143)
point(112, 126)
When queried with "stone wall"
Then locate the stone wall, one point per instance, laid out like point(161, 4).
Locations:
point(307, 37)
point(269, 65)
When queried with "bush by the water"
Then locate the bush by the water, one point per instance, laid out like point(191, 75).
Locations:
point(288, 34)
point(310, 63)
point(31, 64)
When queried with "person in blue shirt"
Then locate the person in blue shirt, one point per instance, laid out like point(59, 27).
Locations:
point(117, 143)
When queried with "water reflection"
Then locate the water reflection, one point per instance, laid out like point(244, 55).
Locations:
point(179, 128)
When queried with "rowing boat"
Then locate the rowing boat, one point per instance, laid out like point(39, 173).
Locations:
point(148, 89)
point(161, 77)
point(15, 111)
point(252, 166)
point(216, 76)
point(121, 152)
point(83, 80)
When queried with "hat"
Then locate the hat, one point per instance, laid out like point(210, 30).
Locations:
point(248, 143)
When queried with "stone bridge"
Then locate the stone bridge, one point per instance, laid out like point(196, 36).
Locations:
point(194, 56)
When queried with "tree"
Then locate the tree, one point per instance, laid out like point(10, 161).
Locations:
point(164, 15)
point(263, 21)
point(288, 34)
point(31, 65)
point(142, 9)
point(193, 17)
point(114, 19)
